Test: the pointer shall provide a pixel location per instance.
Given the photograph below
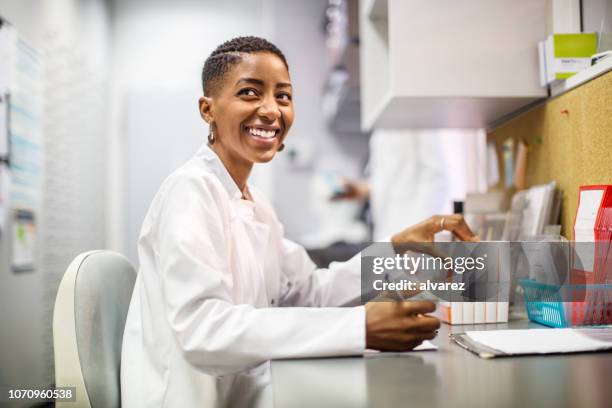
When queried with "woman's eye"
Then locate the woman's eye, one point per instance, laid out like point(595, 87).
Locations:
point(284, 97)
point(248, 92)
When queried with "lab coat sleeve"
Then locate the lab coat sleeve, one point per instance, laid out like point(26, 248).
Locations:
point(303, 284)
point(214, 334)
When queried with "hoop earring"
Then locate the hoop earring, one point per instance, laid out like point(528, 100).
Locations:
point(281, 147)
point(211, 135)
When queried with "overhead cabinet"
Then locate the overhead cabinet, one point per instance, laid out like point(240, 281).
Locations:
point(448, 63)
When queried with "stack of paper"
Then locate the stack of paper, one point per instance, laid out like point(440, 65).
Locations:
point(425, 346)
point(531, 211)
point(542, 341)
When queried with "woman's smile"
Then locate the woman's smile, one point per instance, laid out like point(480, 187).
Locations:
point(263, 134)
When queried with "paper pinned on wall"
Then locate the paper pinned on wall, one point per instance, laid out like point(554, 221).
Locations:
point(26, 129)
point(4, 142)
point(508, 159)
point(4, 190)
point(6, 56)
point(7, 41)
point(23, 241)
point(492, 165)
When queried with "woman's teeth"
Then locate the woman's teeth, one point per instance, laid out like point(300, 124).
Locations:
point(266, 134)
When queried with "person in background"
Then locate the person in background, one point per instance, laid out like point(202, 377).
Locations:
point(220, 289)
point(415, 173)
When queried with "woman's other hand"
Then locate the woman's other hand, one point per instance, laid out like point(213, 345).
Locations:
point(425, 231)
point(356, 190)
point(399, 326)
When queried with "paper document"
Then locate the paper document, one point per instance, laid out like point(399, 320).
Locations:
point(425, 346)
point(544, 341)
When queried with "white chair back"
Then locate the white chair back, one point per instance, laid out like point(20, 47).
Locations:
point(88, 322)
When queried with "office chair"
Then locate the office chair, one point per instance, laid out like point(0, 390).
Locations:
point(88, 321)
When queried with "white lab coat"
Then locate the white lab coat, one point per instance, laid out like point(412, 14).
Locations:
point(408, 178)
point(213, 269)
point(416, 173)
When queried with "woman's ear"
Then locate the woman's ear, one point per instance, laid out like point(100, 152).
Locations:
point(205, 107)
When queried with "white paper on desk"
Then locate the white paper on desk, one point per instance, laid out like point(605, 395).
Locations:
point(544, 341)
point(425, 346)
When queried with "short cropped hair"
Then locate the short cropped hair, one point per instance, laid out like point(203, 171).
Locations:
point(229, 54)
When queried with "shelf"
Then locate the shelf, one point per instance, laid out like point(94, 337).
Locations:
point(451, 112)
point(581, 77)
point(422, 67)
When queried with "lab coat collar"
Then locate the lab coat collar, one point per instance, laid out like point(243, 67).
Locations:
point(216, 165)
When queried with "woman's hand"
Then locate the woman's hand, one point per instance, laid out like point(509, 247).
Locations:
point(420, 237)
point(353, 190)
point(425, 231)
point(399, 326)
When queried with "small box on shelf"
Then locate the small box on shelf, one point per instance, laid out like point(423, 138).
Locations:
point(564, 55)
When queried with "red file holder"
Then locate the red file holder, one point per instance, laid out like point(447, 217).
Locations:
point(594, 211)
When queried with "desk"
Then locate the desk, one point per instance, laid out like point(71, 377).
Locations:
point(449, 377)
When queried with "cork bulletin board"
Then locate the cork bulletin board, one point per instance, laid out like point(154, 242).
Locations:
point(570, 139)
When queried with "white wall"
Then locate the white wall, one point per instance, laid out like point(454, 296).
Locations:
point(299, 33)
point(597, 17)
point(73, 39)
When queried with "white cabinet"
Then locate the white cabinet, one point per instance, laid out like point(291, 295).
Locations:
point(448, 63)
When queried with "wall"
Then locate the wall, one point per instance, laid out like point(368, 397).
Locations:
point(570, 138)
point(597, 17)
point(73, 38)
point(299, 32)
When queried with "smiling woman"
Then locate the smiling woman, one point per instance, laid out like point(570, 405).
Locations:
point(247, 103)
point(220, 290)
